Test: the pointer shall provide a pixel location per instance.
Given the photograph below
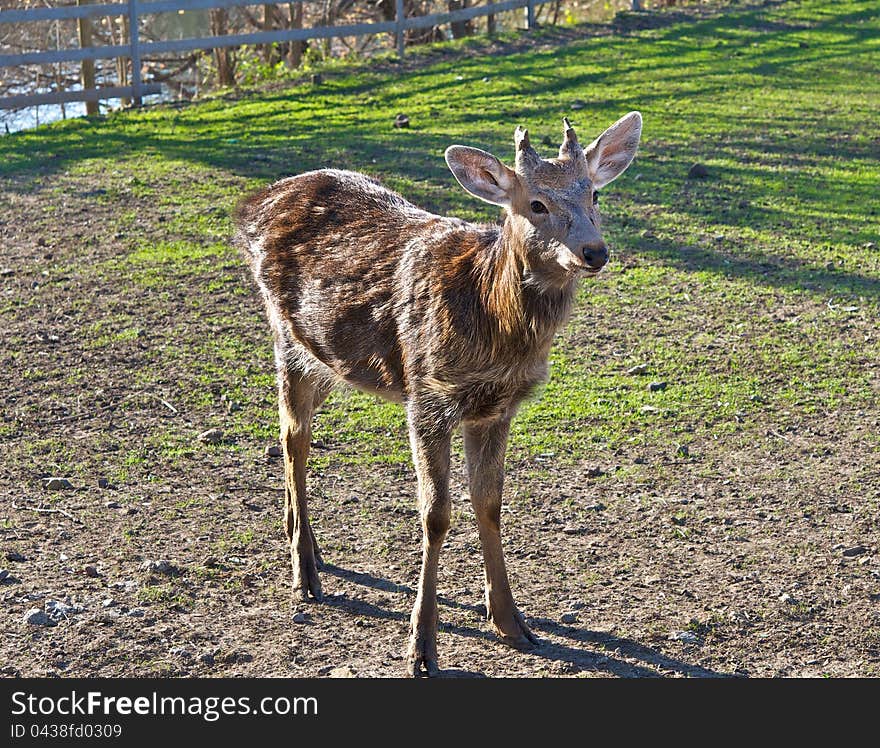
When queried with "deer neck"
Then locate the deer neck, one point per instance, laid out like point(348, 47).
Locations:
point(519, 305)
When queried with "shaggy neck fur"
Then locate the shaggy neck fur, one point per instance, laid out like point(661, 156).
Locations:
point(518, 303)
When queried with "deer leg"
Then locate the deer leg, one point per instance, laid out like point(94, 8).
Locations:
point(430, 447)
point(320, 395)
point(298, 396)
point(485, 445)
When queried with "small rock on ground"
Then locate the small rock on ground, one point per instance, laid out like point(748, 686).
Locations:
point(211, 436)
point(160, 566)
point(637, 370)
point(59, 610)
point(273, 450)
point(37, 617)
point(698, 171)
point(568, 617)
point(91, 571)
point(856, 550)
point(343, 671)
point(238, 656)
point(57, 484)
point(14, 556)
point(688, 637)
point(656, 386)
point(300, 618)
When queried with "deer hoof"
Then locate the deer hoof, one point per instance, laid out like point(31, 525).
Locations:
point(422, 659)
point(305, 577)
point(517, 633)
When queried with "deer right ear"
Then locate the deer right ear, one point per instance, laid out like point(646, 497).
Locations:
point(481, 174)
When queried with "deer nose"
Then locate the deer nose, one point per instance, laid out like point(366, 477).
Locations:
point(595, 255)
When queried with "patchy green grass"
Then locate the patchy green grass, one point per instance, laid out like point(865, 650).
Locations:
point(752, 294)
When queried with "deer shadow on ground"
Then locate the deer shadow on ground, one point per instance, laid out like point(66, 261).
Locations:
point(598, 652)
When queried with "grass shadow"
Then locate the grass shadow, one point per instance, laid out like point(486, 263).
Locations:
point(727, 260)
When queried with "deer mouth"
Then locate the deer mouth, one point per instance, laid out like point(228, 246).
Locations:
point(587, 270)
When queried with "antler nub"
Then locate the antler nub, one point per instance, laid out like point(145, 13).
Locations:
point(570, 146)
point(527, 157)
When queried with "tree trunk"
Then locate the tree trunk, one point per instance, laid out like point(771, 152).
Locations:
point(295, 53)
point(327, 20)
point(222, 55)
point(122, 62)
point(388, 8)
point(460, 29)
point(268, 25)
point(59, 79)
point(87, 73)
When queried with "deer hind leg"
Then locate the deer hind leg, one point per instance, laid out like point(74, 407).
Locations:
point(485, 446)
point(430, 448)
point(299, 394)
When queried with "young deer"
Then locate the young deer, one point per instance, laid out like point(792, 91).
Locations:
point(451, 319)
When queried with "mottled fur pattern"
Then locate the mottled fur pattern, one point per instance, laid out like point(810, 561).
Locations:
point(452, 319)
point(426, 316)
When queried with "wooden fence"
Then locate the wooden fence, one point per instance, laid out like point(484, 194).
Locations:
point(135, 50)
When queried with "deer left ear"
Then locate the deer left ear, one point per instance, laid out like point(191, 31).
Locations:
point(610, 153)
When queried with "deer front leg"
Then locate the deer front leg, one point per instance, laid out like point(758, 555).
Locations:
point(430, 448)
point(298, 396)
point(485, 445)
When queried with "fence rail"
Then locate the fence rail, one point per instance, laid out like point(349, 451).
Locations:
point(135, 49)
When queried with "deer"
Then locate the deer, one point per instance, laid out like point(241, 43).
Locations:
point(451, 319)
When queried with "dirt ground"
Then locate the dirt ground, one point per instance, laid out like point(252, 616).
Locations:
point(734, 567)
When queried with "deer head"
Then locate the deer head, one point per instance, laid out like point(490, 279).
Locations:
point(551, 204)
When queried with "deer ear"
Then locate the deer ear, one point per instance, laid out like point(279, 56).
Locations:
point(610, 153)
point(481, 174)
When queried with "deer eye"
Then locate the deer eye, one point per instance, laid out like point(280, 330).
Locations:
point(595, 197)
point(538, 207)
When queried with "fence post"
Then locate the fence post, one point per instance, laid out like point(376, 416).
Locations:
point(134, 41)
point(399, 14)
point(87, 72)
point(530, 14)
